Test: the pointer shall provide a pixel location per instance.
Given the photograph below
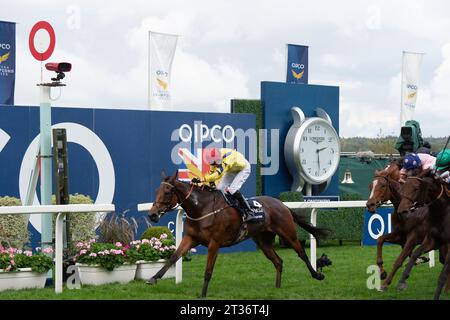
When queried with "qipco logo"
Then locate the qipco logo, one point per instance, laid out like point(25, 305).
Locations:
point(411, 86)
point(162, 73)
point(5, 46)
point(200, 132)
point(299, 66)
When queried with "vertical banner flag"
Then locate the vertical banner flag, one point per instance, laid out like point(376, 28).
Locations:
point(161, 52)
point(7, 61)
point(410, 84)
point(297, 63)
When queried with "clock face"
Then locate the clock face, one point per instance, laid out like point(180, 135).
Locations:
point(318, 150)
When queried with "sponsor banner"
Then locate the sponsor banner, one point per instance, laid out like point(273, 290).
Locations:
point(116, 156)
point(7, 61)
point(161, 52)
point(321, 199)
point(410, 85)
point(376, 225)
point(297, 63)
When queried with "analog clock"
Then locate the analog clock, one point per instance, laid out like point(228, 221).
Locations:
point(312, 149)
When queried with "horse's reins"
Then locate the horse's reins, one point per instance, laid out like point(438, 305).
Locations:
point(388, 180)
point(415, 205)
point(173, 189)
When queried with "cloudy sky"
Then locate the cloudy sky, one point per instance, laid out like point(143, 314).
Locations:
point(227, 47)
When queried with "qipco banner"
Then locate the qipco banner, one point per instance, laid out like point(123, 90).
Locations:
point(376, 224)
point(411, 63)
point(7, 61)
point(116, 156)
point(297, 63)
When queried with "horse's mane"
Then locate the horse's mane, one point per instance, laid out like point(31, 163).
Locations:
point(392, 167)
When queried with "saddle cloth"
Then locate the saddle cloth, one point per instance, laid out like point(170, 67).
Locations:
point(257, 207)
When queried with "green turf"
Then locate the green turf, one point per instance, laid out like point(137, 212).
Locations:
point(250, 275)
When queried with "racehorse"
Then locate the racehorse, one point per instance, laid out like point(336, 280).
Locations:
point(213, 223)
point(428, 191)
point(408, 231)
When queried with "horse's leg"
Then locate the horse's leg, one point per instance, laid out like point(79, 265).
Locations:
point(442, 277)
point(213, 250)
point(290, 235)
point(265, 243)
point(185, 245)
point(407, 249)
point(392, 237)
point(427, 245)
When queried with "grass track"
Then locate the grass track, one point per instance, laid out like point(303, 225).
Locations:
point(250, 275)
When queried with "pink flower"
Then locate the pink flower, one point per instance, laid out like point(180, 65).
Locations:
point(93, 254)
point(163, 236)
point(91, 240)
point(118, 244)
point(80, 244)
point(8, 268)
point(83, 252)
point(127, 246)
point(48, 250)
point(28, 253)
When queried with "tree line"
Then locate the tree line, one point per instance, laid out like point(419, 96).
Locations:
point(384, 145)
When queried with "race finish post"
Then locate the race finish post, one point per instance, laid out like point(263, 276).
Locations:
point(42, 42)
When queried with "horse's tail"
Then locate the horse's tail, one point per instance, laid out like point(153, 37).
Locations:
point(317, 232)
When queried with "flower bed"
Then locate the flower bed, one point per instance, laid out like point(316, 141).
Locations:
point(20, 269)
point(100, 263)
point(153, 254)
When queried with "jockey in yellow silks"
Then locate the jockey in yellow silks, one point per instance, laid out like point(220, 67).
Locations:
point(230, 169)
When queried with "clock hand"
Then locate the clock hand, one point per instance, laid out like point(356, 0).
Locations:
point(321, 149)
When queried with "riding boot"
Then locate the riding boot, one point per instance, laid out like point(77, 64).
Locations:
point(243, 203)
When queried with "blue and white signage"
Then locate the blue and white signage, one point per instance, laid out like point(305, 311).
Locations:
point(376, 225)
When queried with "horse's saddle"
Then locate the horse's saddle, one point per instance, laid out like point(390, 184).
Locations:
point(257, 207)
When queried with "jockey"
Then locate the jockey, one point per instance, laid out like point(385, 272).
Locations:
point(414, 161)
point(232, 169)
point(442, 166)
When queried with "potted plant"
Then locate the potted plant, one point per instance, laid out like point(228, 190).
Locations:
point(153, 254)
point(101, 263)
point(20, 269)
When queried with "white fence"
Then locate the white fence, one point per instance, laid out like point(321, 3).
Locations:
point(61, 210)
point(314, 205)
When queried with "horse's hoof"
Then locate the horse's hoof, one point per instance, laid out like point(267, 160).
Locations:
point(383, 288)
point(383, 275)
point(402, 286)
point(151, 281)
point(319, 276)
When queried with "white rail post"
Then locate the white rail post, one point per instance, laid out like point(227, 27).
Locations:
point(313, 240)
point(178, 236)
point(59, 246)
point(431, 256)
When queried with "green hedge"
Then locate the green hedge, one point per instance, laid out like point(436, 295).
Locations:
point(14, 227)
point(254, 107)
point(344, 223)
point(156, 232)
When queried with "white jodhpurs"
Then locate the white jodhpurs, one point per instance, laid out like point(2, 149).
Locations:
point(234, 181)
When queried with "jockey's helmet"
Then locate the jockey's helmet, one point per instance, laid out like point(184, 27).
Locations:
point(443, 159)
point(212, 155)
point(411, 161)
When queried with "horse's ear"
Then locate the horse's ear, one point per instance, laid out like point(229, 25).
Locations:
point(163, 175)
point(175, 176)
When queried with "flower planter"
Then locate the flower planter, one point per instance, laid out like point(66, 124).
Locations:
point(147, 269)
point(22, 279)
point(96, 275)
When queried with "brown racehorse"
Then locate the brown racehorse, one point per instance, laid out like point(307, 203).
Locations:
point(408, 230)
point(211, 222)
point(426, 190)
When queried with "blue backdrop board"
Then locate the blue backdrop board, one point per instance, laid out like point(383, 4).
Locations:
point(376, 225)
point(115, 156)
point(277, 99)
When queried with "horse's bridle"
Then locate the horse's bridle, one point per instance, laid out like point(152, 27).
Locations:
point(387, 179)
point(173, 190)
